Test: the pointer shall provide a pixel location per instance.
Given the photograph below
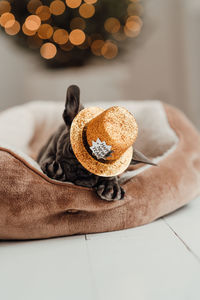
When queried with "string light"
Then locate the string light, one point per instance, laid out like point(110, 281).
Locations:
point(109, 50)
point(45, 31)
point(26, 31)
point(39, 26)
point(43, 12)
point(60, 36)
point(133, 26)
point(135, 9)
point(96, 47)
point(33, 5)
point(112, 25)
point(4, 7)
point(33, 23)
point(57, 7)
point(14, 29)
point(48, 50)
point(90, 1)
point(6, 18)
point(87, 10)
point(119, 36)
point(77, 37)
point(134, 23)
point(10, 23)
point(130, 33)
point(73, 3)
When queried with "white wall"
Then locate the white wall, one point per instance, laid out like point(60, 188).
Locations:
point(191, 29)
point(12, 66)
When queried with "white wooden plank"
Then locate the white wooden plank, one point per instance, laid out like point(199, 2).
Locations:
point(149, 263)
point(49, 269)
point(136, 232)
point(186, 223)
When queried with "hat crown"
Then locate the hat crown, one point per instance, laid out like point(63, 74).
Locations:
point(116, 127)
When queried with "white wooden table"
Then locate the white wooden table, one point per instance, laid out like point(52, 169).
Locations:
point(156, 261)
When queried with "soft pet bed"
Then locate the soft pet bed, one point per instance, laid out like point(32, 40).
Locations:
point(33, 206)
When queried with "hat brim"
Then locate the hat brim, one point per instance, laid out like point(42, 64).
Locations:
point(88, 162)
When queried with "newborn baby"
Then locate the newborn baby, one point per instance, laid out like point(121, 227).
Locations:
point(58, 161)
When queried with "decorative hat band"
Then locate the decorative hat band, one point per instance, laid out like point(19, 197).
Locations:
point(99, 150)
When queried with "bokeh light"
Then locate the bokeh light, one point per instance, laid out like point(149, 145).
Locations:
point(87, 10)
point(57, 7)
point(133, 22)
point(4, 7)
point(96, 47)
point(45, 25)
point(90, 1)
point(77, 23)
point(33, 5)
point(32, 23)
point(73, 3)
point(133, 26)
point(131, 33)
point(112, 25)
point(60, 36)
point(6, 18)
point(43, 12)
point(135, 9)
point(109, 50)
point(28, 32)
point(45, 31)
point(48, 50)
point(14, 29)
point(119, 36)
point(9, 24)
point(77, 37)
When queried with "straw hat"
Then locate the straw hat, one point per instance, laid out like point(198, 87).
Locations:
point(102, 139)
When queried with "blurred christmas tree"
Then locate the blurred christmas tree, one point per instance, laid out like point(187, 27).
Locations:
point(68, 32)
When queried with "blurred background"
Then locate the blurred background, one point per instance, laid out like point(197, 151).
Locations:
point(149, 50)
